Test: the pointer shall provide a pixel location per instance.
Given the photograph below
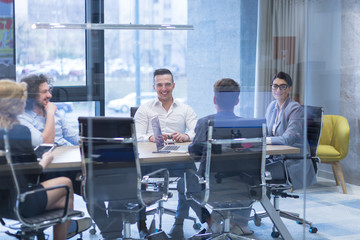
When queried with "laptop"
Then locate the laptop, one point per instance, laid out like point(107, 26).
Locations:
point(160, 143)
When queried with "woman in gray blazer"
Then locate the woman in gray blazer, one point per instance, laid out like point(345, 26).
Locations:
point(285, 126)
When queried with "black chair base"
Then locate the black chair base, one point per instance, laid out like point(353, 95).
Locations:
point(225, 235)
point(284, 214)
point(24, 235)
point(222, 236)
point(161, 235)
point(162, 210)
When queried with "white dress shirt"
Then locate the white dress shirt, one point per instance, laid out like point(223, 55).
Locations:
point(180, 118)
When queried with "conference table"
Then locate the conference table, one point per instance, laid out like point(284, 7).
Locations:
point(68, 157)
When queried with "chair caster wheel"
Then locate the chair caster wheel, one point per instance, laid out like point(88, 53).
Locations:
point(313, 230)
point(257, 220)
point(197, 226)
point(275, 234)
point(92, 231)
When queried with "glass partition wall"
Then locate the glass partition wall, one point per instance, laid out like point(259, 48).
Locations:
point(249, 41)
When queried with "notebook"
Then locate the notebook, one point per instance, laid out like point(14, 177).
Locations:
point(160, 143)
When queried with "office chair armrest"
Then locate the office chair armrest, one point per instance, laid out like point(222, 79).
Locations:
point(21, 198)
point(162, 173)
point(267, 176)
point(161, 170)
point(200, 180)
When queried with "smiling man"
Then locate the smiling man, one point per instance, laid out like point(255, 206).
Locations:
point(177, 120)
point(41, 115)
point(48, 126)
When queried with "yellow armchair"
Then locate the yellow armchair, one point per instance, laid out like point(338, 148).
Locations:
point(334, 144)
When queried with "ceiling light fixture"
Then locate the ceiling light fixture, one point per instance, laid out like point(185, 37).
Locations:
point(103, 26)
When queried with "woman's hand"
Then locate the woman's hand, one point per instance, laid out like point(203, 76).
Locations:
point(46, 159)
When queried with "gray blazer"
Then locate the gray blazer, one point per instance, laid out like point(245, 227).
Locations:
point(289, 130)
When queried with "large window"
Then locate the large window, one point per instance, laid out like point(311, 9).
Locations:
point(117, 65)
point(131, 56)
point(60, 54)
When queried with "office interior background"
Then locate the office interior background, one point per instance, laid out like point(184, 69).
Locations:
point(105, 72)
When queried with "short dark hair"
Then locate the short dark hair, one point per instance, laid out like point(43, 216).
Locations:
point(227, 93)
point(33, 82)
point(162, 71)
point(283, 76)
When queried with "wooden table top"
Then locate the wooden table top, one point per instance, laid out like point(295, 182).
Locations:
point(69, 156)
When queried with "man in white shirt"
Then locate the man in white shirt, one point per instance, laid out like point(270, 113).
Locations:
point(175, 117)
point(177, 121)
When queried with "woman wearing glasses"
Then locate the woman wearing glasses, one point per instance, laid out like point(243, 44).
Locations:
point(285, 126)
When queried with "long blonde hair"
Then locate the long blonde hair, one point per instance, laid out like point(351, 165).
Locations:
point(12, 102)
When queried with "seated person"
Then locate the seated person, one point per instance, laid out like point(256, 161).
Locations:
point(41, 116)
point(47, 125)
point(285, 125)
point(12, 102)
point(175, 118)
point(226, 97)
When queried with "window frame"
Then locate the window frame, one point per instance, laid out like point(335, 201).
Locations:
point(95, 74)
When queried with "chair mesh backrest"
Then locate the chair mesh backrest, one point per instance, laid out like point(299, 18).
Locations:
point(314, 126)
point(133, 111)
point(110, 159)
point(236, 162)
point(7, 187)
point(105, 127)
point(13, 176)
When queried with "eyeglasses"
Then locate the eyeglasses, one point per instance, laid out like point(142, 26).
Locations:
point(281, 87)
point(167, 85)
point(46, 91)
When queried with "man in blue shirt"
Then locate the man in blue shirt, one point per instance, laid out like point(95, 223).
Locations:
point(46, 124)
point(226, 97)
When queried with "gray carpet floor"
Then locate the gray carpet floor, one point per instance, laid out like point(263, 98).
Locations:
point(336, 215)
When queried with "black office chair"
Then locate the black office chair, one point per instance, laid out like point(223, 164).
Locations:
point(160, 207)
point(11, 178)
point(314, 126)
point(279, 185)
point(112, 172)
point(133, 111)
point(234, 174)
